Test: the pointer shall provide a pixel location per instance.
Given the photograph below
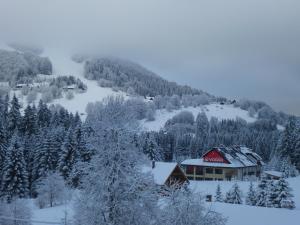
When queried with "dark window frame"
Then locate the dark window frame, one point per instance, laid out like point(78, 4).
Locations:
point(218, 171)
point(199, 170)
point(189, 169)
point(209, 170)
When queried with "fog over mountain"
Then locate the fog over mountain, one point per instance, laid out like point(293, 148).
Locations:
point(234, 48)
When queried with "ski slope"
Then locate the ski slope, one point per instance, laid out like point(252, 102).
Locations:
point(212, 110)
point(63, 65)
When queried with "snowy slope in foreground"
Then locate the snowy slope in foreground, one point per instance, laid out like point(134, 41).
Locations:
point(212, 110)
point(236, 214)
point(64, 65)
point(251, 215)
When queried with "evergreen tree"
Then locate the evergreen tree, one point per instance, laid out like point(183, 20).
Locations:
point(14, 116)
point(150, 147)
point(14, 183)
point(262, 192)
point(43, 115)
point(219, 196)
point(234, 196)
point(202, 131)
point(296, 156)
point(4, 105)
point(251, 195)
point(47, 157)
point(3, 149)
point(29, 154)
point(283, 195)
point(29, 121)
point(69, 154)
point(287, 168)
point(289, 137)
point(82, 149)
point(271, 196)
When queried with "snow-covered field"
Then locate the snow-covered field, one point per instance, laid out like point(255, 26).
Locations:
point(236, 214)
point(212, 110)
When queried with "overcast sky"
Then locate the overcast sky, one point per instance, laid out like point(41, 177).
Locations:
point(233, 48)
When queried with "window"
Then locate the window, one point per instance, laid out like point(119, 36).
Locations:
point(189, 170)
point(199, 170)
point(209, 170)
point(209, 179)
point(190, 178)
point(218, 171)
point(199, 178)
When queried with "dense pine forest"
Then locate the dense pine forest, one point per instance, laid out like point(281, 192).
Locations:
point(39, 139)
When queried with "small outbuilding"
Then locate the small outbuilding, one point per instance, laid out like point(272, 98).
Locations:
point(167, 173)
point(273, 175)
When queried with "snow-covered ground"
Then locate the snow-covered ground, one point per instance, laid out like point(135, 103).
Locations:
point(212, 110)
point(236, 214)
point(250, 215)
point(55, 214)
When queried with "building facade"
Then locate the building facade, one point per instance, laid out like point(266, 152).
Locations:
point(224, 163)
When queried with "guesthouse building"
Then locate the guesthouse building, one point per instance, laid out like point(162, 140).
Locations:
point(224, 163)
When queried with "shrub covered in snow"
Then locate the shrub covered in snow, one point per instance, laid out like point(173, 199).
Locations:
point(219, 196)
point(234, 196)
point(52, 191)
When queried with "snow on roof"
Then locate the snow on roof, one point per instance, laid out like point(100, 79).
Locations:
point(200, 162)
point(273, 173)
point(236, 156)
point(161, 171)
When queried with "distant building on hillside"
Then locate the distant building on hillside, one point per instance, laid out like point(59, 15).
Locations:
point(70, 87)
point(20, 86)
point(224, 163)
point(166, 173)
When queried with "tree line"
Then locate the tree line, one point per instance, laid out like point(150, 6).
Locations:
point(268, 193)
point(36, 142)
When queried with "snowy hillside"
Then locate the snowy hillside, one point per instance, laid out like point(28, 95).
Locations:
point(212, 110)
point(64, 65)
